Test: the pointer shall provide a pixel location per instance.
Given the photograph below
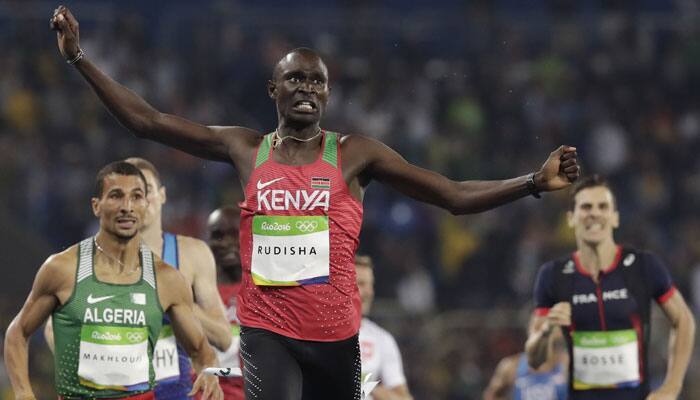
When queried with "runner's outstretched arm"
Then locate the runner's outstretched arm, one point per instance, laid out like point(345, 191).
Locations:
point(539, 346)
point(466, 197)
point(36, 309)
point(680, 347)
point(176, 298)
point(213, 143)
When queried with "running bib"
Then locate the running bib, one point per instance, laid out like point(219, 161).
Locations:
point(290, 250)
point(165, 360)
point(113, 357)
point(608, 359)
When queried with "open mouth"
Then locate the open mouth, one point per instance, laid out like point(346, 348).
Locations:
point(304, 106)
point(594, 227)
point(126, 223)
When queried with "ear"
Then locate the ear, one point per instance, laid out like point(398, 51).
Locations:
point(271, 89)
point(616, 219)
point(95, 202)
point(163, 195)
point(570, 219)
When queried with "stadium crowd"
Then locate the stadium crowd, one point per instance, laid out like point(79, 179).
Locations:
point(477, 90)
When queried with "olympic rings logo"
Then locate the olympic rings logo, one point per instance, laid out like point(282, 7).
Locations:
point(307, 226)
point(134, 337)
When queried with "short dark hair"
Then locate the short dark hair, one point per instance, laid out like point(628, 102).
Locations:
point(365, 261)
point(143, 164)
point(588, 182)
point(119, 168)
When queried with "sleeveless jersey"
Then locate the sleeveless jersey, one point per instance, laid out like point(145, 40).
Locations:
point(105, 333)
point(609, 335)
point(532, 385)
point(380, 356)
point(170, 360)
point(299, 231)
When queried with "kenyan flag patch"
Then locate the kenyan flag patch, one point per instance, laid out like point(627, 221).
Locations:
point(320, 183)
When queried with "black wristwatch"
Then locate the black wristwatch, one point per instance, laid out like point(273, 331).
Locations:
point(531, 186)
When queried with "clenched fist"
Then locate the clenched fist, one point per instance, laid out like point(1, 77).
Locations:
point(67, 33)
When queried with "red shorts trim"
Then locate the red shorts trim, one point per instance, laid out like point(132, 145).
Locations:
point(666, 296)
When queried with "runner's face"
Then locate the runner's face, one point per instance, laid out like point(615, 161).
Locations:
point(223, 239)
point(122, 207)
point(365, 283)
point(594, 217)
point(300, 88)
point(156, 198)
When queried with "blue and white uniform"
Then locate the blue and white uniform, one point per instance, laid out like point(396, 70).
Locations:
point(170, 361)
point(533, 385)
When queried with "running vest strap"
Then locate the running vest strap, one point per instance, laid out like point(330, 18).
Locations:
point(170, 360)
point(636, 282)
point(300, 228)
point(105, 333)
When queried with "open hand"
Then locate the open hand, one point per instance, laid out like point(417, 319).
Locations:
point(208, 385)
point(67, 33)
point(559, 171)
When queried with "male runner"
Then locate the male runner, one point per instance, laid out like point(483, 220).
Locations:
point(602, 294)
point(194, 260)
point(515, 379)
point(107, 295)
point(299, 305)
point(379, 351)
point(223, 229)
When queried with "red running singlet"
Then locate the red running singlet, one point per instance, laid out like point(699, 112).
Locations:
point(300, 229)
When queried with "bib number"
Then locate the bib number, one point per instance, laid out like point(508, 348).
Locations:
point(290, 250)
point(113, 357)
point(165, 357)
point(608, 359)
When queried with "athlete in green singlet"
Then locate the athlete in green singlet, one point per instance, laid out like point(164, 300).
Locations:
point(107, 296)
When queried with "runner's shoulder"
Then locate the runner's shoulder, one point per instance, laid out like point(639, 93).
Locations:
point(193, 251)
point(60, 267)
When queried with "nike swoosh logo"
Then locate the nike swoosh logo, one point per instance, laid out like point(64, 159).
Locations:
point(262, 185)
point(93, 300)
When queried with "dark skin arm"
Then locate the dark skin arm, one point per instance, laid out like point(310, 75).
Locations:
point(363, 159)
point(503, 380)
point(210, 142)
point(369, 159)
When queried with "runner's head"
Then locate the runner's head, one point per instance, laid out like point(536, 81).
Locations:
point(156, 190)
point(120, 199)
point(299, 86)
point(223, 226)
point(593, 212)
point(365, 281)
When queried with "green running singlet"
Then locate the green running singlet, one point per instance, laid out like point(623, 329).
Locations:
point(106, 332)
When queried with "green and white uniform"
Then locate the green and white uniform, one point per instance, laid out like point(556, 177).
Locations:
point(106, 332)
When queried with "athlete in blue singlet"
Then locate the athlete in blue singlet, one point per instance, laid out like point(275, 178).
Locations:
point(601, 294)
point(195, 262)
point(514, 379)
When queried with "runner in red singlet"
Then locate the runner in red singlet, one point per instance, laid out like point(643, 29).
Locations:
point(299, 305)
point(223, 227)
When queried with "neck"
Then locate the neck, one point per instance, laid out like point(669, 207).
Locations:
point(152, 236)
point(118, 250)
point(300, 132)
point(596, 257)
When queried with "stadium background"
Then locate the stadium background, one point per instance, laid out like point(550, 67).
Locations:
point(473, 89)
